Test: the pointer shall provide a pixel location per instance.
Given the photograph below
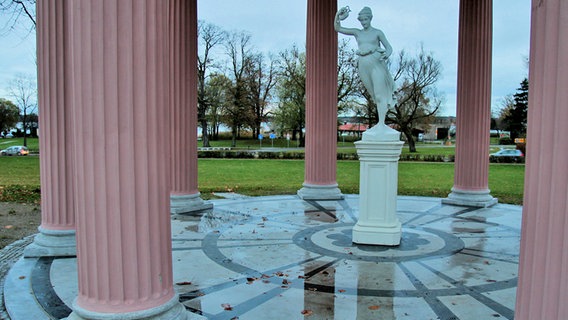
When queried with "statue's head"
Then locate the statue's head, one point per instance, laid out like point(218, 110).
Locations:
point(365, 13)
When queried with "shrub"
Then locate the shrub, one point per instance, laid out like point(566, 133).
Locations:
point(505, 140)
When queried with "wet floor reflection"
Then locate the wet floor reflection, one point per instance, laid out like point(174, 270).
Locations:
point(275, 264)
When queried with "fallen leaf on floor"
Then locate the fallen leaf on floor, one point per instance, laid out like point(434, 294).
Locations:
point(226, 307)
point(375, 307)
point(341, 290)
point(307, 312)
point(285, 281)
point(183, 283)
point(21, 277)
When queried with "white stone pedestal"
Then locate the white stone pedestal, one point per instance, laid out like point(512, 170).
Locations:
point(378, 223)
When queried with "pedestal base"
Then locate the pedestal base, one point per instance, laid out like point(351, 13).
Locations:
point(479, 199)
point(377, 234)
point(52, 243)
point(319, 192)
point(378, 223)
point(172, 310)
point(188, 204)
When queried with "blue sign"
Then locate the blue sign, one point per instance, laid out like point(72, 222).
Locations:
point(272, 136)
point(260, 137)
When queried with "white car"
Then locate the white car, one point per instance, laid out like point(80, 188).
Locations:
point(508, 153)
point(15, 151)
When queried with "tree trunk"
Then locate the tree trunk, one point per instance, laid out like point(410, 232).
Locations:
point(24, 122)
point(234, 137)
point(205, 134)
point(410, 139)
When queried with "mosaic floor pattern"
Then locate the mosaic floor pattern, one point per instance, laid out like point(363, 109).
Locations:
point(284, 258)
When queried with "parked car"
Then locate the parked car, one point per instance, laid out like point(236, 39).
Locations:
point(15, 151)
point(508, 153)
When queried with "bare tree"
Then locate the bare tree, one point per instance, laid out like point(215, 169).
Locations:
point(261, 82)
point(347, 78)
point(238, 114)
point(417, 98)
point(210, 36)
point(16, 10)
point(23, 90)
point(291, 92)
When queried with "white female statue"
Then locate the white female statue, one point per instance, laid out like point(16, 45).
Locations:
point(372, 66)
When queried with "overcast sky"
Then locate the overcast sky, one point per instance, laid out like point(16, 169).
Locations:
point(278, 24)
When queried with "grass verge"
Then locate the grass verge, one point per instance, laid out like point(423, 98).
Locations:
point(19, 178)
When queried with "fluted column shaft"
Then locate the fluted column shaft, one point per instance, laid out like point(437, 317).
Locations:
point(473, 102)
point(183, 92)
point(321, 95)
point(184, 196)
point(57, 230)
point(543, 271)
point(121, 100)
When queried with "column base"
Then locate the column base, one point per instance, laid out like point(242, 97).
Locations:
point(188, 203)
point(171, 310)
point(377, 234)
point(480, 199)
point(320, 192)
point(52, 243)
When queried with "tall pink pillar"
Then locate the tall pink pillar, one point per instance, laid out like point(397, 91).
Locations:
point(57, 230)
point(121, 99)
point(184, 196)
point(473, 105)
point(543, 272)
point(321, 103)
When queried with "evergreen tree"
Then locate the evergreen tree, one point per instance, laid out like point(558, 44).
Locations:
point(515, 120)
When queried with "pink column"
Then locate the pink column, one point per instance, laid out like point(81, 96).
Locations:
point(543, 272)
point(184, 195)
point(321, 103)
point(473, 105)
point(120, 75)
point(57, 230)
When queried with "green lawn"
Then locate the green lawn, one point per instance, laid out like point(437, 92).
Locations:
point(266, 177)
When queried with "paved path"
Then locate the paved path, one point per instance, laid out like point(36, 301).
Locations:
point(280, 257)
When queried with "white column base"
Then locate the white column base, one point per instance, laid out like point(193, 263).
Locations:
point(480, 199)
point(378, 223)
point(52, 243)
point(171, 310)
point(319, 192)
point(188, 203)
point(377, 234)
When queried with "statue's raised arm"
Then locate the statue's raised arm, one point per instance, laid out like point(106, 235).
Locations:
point(341, 15)
point(373, 50)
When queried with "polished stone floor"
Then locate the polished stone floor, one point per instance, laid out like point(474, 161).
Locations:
point(281, 257)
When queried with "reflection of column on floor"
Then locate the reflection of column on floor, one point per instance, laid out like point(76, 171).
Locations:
point(318, 301)
point(57, 230)
point(185, 196)
point(370, 277)
point(124, 248)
